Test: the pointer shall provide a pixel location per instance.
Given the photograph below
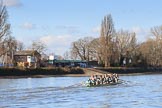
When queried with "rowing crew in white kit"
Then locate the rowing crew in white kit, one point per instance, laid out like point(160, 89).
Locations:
point(103, 79)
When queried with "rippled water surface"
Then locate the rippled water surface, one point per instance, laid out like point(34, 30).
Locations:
point(140, 91)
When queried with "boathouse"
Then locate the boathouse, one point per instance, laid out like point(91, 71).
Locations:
point(27, 59)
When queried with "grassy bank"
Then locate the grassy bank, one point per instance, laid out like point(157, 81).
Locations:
point(39, 71)
point(125, 70)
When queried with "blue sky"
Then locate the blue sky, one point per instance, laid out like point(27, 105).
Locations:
point(60, 22)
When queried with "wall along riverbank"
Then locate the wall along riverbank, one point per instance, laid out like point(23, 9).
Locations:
point(4, 72)
point(132, 70)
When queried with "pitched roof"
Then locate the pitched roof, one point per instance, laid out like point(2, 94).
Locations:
point(69, 61)
point(26, 52)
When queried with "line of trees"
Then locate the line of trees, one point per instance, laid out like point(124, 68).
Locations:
point(7, 42)
point(111, 48)
point(117, 48)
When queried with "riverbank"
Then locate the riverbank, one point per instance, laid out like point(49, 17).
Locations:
point(73, 72)
point(131, 70)
point(51, 72)
point(122, 71)
point(40, 72)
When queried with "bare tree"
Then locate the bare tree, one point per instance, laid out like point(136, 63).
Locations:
point(4, 32)
point(156, 33)
point(73, 53)
point(81, 48)
point(11, 48)
point(106, 39)
point(94, 47)
point(39, 46)
point(126, 43)
point(147, 50)
point(67, 55)
point(4, 28)
point(152, 49)
point(20, 46)
point(156, 51)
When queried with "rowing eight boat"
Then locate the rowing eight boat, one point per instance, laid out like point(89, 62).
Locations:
point(108, 84)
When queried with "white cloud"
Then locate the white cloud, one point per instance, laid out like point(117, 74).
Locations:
point(137, 30)
point(141, 33)
point(12, 3)
point(28, 25)
point(96, 29)
point(68, 29)
point(58, 44)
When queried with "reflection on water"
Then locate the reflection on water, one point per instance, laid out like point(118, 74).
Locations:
point(62, 92)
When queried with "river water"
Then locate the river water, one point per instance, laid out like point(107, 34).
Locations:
point(138, 91)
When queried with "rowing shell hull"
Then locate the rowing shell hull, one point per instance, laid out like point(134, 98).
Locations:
point(88, 85)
